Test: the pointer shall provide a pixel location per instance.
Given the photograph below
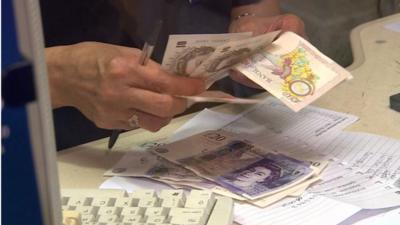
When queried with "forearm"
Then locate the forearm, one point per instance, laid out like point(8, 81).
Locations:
point(262, 8)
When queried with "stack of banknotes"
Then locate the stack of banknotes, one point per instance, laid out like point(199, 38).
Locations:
point(226, 164)
point(283, 63)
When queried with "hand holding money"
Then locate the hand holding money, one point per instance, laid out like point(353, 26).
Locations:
point(108, 85)
point(290, 68)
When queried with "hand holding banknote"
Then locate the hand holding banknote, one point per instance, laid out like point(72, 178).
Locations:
point(109, 86)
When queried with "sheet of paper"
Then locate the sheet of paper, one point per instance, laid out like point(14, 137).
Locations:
point(132, 183)
point(369, 154)
point(204, 120)
point(309, 209)
point(393, 26)
point(272, 124)
point(389, 218)
point(342, 183)
point(364, 214)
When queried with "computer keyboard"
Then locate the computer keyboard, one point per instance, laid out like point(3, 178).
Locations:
point(145, 207)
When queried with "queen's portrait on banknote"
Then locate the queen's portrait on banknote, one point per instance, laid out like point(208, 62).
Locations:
point(270, 173)
point(189, 59)
point(228, 60)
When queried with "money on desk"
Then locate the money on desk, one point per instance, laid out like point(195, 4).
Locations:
point(284, 64)
point(238, 165)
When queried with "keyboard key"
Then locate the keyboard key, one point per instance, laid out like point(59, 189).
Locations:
point(126, 202)
point(85, 210)
point(156, 211)
point(107, 218)
point(156, 219)
point(88, 218)
point(103, 201)
point(109, 210)
point(172, 202)
point(199, 202)
point(133, 211)
point(132, 219)
point(78, 201)
point(148, 202)
point(172, 194)
point(143, 193)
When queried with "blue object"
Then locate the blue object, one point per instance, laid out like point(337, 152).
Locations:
point(20, 199)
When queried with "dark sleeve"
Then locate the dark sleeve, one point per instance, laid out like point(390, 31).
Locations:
point(73, 21)
point(243, 2)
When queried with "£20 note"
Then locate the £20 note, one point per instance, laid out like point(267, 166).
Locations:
point(236, 164)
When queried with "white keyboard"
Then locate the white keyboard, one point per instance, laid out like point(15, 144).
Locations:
point(145, 207)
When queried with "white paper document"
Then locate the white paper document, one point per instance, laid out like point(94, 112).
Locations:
point(272, 124)
point(344, 184)
point(393, 26)
point(389, 218)
point(204, 120)
point(309, 209)
point(372, 155)
point(132, 183)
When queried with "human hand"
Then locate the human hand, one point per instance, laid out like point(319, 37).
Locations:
point(264, 24)
point(108, 85)
point(260, 25)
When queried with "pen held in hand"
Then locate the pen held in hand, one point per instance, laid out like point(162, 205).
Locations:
point(143, 59)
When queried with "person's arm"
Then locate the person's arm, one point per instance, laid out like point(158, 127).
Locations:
point(108, 85)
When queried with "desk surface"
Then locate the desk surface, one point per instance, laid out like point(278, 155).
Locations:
point(376, 72)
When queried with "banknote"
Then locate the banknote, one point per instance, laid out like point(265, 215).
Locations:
point(184, 53)
point(143, 163)
point(204, 185)
point(294, 191)
point(225, 56)
point(293, 70)
point(219, 96)
point(236, 164)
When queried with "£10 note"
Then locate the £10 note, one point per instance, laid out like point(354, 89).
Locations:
point(225, 56)
point(293, 70)
point(184, 53)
